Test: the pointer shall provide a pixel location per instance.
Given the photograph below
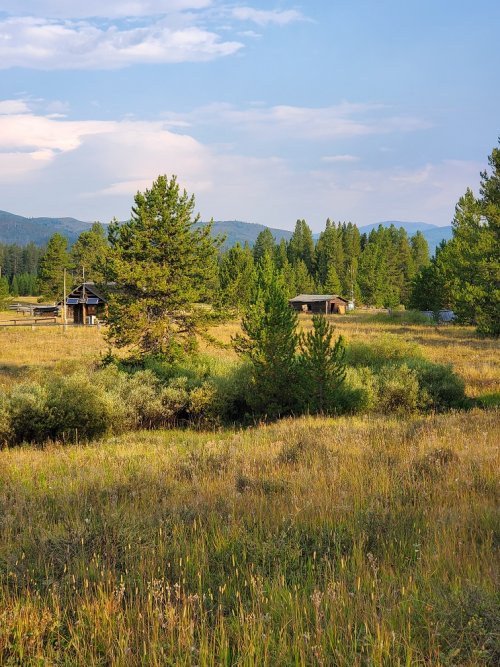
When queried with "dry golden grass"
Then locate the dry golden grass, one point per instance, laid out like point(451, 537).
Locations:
point(349, 541)
point(475, 359)
point(309, 542)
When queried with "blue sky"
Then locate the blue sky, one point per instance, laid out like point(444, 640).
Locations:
point(266, 111)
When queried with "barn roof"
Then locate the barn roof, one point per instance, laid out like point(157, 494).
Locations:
point(311, 298)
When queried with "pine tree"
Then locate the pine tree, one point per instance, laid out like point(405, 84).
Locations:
point(4, 292)
point(465, 273)
point(264, 243)
point(420, 251)
point(161, 265)
point(89, 254)
point(237, 276)
point(14, 286)
point(301, 246)
point(269, 341)
point(304, 282)
point(322, 365)
point(332, 283)
point(51, 268)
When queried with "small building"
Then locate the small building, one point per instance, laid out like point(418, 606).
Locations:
point(319, 303)
point(44, 311)
point(85, 305)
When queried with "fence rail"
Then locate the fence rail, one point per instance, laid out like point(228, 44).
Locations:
point(44, 322)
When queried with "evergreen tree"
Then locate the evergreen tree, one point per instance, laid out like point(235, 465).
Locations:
point(51, 268)
point(332, 283)
point(322, 365)
point(304, 282)
point(269, 341)
point(237, 276)
point(419, 251)
point(474, 254)
point(330, 252)
point(4, 292)
point(434, 285)
point(14, 286)
point(301, 246)
point(161, 265)
point(264, 243)
point(465, 273)
point(89, 254)
point(281, 255)
point(405, 271)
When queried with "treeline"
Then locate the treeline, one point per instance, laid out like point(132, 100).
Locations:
point(384, 268)
point(19, 268)
point(375, 269)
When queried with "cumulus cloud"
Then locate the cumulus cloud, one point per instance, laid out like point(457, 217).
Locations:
point(54, 44)
point(91, 169)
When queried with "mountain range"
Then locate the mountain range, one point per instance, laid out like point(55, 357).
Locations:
point(21, 230)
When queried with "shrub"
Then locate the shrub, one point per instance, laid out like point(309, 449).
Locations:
point(202, 405)
point(29, 414)
point(141, 394)
point(398, 389)
point(440, 387)
point(77, 408)
point(358, 393)
point(232, 399)
point(5, 425)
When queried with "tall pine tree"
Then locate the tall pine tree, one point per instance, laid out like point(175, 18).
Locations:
point(161, 265)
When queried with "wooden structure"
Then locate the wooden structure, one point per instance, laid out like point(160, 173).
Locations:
point(319, 303)
point(85, 305)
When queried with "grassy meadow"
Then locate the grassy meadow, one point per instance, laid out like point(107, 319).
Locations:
point(368, 540)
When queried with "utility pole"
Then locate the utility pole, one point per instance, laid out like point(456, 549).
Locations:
point(65, 319)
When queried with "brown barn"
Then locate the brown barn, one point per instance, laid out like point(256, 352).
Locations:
point(319, 303)
point(85, 304)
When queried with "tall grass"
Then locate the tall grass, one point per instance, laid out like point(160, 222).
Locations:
point(312, 541)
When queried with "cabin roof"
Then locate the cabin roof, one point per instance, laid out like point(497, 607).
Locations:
point(311, 298)
point(89, 288)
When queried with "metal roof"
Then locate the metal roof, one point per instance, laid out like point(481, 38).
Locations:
point(310, 298)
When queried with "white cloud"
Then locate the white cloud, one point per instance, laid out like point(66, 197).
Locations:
point(13, 107)
point(340, 158)
point(91, 169)
point(98, 8)
point(51, 44)
point(345, 120)
point(265, 17)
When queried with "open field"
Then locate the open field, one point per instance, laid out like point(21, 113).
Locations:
point(313, 541)
point(477, 360)
point(351, 541)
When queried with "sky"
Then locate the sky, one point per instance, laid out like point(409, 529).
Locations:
point(267, 112)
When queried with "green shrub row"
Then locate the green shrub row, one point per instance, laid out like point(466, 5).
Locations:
point(388, 377)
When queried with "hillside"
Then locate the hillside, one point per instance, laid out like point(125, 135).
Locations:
point(237, 231)
point(18, 229)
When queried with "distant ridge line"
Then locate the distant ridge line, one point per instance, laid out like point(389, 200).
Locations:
point(19, 229)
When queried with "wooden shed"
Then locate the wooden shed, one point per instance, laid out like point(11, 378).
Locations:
point(85, 305)
point(319, 303)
